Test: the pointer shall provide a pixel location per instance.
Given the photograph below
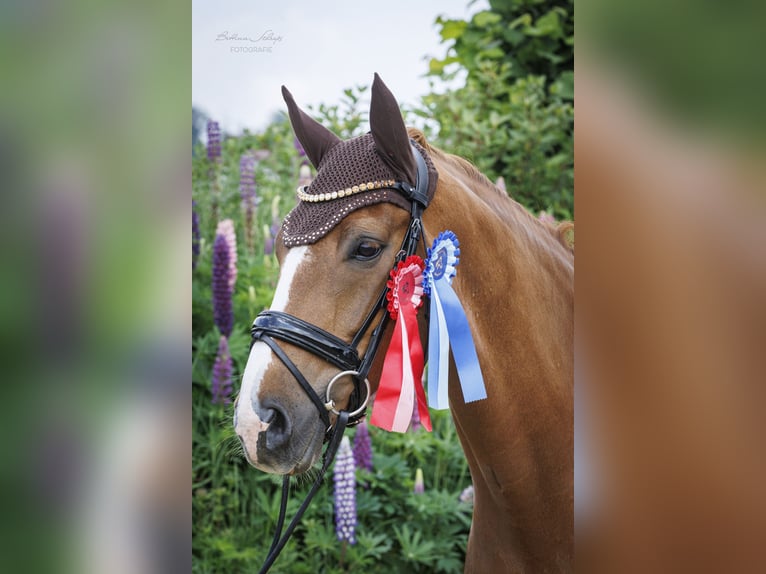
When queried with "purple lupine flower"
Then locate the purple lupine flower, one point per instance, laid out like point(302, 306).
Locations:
point(223, 312)
point(195, 236)
point(213, 141)
point(271, 235)
point(222, 374)
point(247, 180)
point(415, 420)
point(344, 476)
point(466, 496)
point(226, 228)
point(419, 487)
point(363, 447)
point(268, 242)
point(248, 194)
point(299, 148)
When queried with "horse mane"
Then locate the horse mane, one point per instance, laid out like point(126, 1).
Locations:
point(563, 232)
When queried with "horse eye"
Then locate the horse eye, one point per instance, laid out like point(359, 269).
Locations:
point(366, 251)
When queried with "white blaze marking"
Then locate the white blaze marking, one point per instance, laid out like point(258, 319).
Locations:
point(290, 266)
point(248, 424)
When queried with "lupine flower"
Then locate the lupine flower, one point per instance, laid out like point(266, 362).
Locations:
point(247, 179)
point(195, 236)
point(299, 148)
point(222, 374)
point(415, 420)
point(226, 228)
point(466, 496)
point(500, 184)
point(547, 218)
point(213, 141)
point(248, 194)
point(268, 242)
point(363, 447)
point(270, 233)
point(419, 487)
point(223, 312)
point(344, 476)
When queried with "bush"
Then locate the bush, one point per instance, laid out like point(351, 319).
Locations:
point(514, 116)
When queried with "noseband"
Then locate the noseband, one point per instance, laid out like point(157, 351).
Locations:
point(270, 326)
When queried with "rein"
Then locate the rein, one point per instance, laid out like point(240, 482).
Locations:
point(271, 325)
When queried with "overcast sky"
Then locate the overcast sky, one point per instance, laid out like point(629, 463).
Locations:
point(244, 50)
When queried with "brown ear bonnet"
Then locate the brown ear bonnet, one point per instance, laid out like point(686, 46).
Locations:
point(374, 168)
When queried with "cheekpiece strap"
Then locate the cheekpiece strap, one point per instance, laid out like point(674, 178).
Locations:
point(418, 194)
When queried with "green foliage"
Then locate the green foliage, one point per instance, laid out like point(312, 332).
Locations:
point(235, 506)
point(346, 119)
point(514, 116)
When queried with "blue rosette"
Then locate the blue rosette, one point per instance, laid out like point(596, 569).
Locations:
point(441, 260)
point(448, 327)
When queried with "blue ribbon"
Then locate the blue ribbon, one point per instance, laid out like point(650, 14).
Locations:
point(448, 326)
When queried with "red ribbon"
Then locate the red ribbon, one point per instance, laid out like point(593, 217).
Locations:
point(401, 385)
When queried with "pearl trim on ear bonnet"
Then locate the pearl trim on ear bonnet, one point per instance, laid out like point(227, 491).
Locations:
point(351, 175)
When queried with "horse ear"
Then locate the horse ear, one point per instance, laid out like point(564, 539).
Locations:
point(389, 132)
point(314, 137)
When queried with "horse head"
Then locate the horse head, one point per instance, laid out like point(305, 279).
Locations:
point(335, 250)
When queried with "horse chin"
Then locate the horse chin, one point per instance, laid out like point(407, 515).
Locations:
point(293, 461)
point(310, 456)
point(306, 462)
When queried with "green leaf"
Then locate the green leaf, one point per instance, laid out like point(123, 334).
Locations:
point(549, 24)
point(564, 86)
point(436, 67)
point(452, 29)
point(492, 54)
point(521, 21)
point(485, 18)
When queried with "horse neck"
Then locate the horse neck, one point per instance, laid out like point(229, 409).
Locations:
point(515, 281)
point(509, 260)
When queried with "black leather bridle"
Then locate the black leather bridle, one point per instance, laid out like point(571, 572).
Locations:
point(270, 326)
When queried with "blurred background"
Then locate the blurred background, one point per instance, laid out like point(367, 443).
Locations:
point(670, 321)
point(96, 287)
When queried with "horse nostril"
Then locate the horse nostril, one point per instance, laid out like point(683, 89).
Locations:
point(280, 427)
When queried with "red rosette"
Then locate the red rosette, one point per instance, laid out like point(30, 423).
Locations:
point(405, 286)
point(400, 390)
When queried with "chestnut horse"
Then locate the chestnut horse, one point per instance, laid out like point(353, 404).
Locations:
point(515, 281)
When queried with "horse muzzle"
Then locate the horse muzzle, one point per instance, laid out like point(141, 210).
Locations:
point(277, 439)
